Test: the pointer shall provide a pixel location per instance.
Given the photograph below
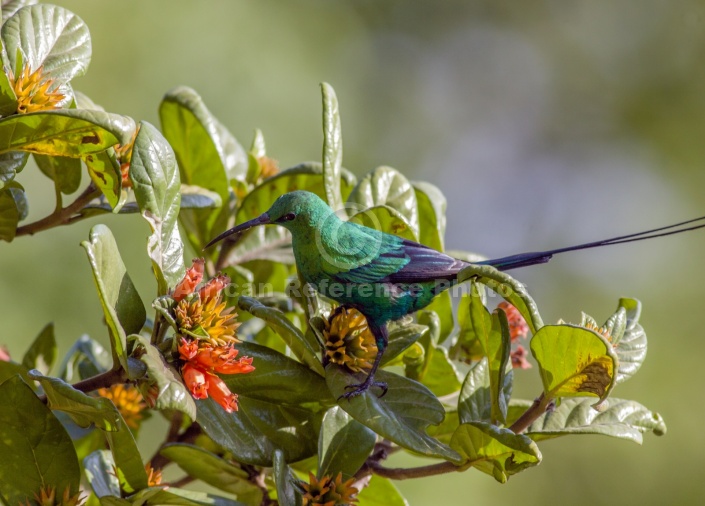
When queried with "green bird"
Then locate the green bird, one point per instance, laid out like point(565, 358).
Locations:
point(383, 276)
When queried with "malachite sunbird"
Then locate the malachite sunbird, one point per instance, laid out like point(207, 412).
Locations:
point(381, 275)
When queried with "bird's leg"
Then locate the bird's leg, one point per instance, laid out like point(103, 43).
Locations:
point(381, 337)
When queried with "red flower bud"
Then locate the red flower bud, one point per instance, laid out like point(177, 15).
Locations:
point(213, 287)
point(221, 394)
point(196, 380)
point(193, 276)
point(188, 349)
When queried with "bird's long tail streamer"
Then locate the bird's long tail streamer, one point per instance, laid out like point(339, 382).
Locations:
point(540, 257)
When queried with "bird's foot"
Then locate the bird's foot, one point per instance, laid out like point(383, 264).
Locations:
point(360, 388)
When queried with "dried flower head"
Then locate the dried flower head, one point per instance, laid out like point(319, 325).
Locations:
point(329, 492)
point(32, 91)
point(128, 400)
point(47, 497)
point(518, 328)
point(349, 340)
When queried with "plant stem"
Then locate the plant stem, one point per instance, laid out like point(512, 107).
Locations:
point(530, 415)
point(413, 472)
point(60, 216)
point(102, 380)
point(159, 461)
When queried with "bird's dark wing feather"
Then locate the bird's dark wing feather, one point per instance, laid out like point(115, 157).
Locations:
point(425, 264)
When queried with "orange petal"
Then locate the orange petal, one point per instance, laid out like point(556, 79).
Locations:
point(241, 366)
point(193, 276)
point(188, 349)
point(221, 394)
point(196, 380)
point(213, 287)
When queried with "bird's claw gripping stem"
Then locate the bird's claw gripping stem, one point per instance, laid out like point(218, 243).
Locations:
point(360, 388)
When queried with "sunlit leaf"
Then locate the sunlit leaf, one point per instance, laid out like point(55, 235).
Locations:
point(9, 7)
point(574, 361)
point(401, 416)
point(343, 445)
point(12, 201)
point(65, 172)
point(438, 372)
point(48, 36)
point(35, 447)
point(619, 418)
point(332, 148)
point(104, 170)
point(385, 187)
point(173, 496)
point(71, 132)
point(495, 451)
point(209, 468)
point(123, 309)
point(381, 492)
point(155, 179)
point(476, 398)
point(432, 214)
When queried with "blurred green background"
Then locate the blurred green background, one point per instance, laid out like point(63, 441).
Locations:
point(544, 122)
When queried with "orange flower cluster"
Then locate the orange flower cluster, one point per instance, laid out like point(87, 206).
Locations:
point(207, 337)
point(518, 329)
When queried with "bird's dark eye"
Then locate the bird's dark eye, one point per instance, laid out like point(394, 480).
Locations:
point(287, 217)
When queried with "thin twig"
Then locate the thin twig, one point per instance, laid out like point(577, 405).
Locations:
point(414, 472)
point(102, 380)
point(530, 415)
point(62, 216)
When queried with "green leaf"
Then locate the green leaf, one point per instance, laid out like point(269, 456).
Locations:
point(35, 448)
point(508, 288)
point(629, 344)
point(432, 214)
point(343, 445)
point(42, 352)
point(83, 101)
point(11, 369)
point(128, 462)
point(437, 373)
point(83, 409)
point(476, 398)
point(11, 163)
point(442, 305)
point(67, 132)
point(85, 357)
point(65, 172)
point(172, 394)
point(9, 7)
point(51, 37)
point(277, 378)
point(99, 468)
point(491, 332)
point(294, 338)
point(211, 469)
point(104, 170)
point(123, 309)
point(620, 418)
point(385, 219)
point(155, 179)
point(284, 480)
point(495, 451)
point(381, 492)
point(332, 148)
point(12, 201)
point(178, 497)
point(400, 338)
point(574, 361)
point(258, 428)
point(203, 149)
point(401, 416)
point(305, 176)
point(385, 187)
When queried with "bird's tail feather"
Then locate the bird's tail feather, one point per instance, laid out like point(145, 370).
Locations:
point(540, 257)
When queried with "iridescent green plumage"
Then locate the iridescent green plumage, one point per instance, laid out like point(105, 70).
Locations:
point(383, 276)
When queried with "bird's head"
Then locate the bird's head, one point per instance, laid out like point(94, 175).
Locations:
point(297, 210)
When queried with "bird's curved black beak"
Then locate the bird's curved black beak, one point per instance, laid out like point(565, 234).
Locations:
point(260, 220)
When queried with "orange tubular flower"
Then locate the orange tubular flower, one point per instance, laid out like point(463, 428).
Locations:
point(193, 276)
point(221, 394)
point(213, 287)
point(195, 379)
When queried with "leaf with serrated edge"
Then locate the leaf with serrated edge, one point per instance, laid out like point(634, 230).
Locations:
point(400, 416)
point(155, 179)
point(42, 352)
point(343, 445)
point(35, 447)
point(123, 309)
point(493, 450)
point(172, 394)
point(619, 418)
point(574, 362)
point(217, 472)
